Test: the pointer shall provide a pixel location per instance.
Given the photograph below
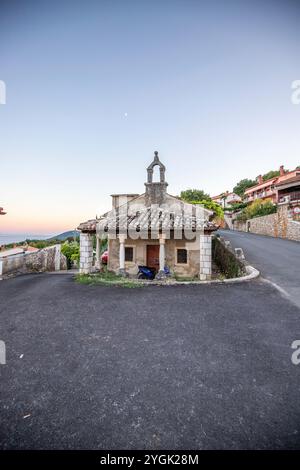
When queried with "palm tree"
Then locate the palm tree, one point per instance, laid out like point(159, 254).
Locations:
point(223, 198)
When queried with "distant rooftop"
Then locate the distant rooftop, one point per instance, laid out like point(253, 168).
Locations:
point(18, 250)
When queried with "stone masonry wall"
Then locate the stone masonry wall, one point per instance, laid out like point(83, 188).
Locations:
point(266, 225)
point(199, 256)
point(293, 230)
point(274, 225)
point(46, 259)
point(140, 255)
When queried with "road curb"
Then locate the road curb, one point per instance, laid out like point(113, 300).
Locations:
point(251, 273)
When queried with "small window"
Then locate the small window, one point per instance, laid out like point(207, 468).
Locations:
point(128, 253)
point(181, 256)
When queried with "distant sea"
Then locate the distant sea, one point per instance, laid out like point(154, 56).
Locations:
point(6, 238)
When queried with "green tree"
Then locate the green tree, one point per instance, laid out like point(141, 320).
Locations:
point(211, 206)
point(71, 251)
point(242, 185)
point(194, 195)
point(271, 174)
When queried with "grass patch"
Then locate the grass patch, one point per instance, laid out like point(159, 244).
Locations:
point(108, 279)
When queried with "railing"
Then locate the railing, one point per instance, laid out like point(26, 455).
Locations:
point(294, 196)
point(268, 193)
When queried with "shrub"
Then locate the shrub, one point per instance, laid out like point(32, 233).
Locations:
point(236, 207)
point(257, 208)
point(71, 252)
point(226, 261)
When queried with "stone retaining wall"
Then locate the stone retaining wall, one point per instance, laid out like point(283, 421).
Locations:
point(46, 259)
point(275, 225)
point(226, 258)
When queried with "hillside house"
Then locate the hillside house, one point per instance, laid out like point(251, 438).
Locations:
point(227, 199)
point(268, 189)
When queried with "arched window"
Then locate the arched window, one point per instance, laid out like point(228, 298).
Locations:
point(156, 171)
point(156, 174)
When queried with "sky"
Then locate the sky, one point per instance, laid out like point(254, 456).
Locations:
point(93, 88)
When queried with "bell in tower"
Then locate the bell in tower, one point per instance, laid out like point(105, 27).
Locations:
point(156, 191)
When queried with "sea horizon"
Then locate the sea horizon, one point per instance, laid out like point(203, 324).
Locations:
point(7, 238)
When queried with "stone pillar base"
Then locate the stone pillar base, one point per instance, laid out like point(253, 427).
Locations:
point(205, 277)
point(123, 273)
point(160, 275)
point(98, 266)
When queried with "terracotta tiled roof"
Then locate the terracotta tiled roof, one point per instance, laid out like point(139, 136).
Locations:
point(278, 180)
point(261, 185)
point(146, 220)
point(11, 251)
point(88, 226)
point(32, 249)
point(293, 179)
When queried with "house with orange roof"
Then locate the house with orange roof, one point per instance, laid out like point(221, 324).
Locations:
point(268, 189)
point(227, 199)
point(288, 192)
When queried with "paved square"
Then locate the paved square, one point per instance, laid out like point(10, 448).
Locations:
point(201, 367)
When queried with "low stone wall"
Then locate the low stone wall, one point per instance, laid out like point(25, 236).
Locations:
point(293, 230)
point(225, 258)
point(278, 224)
point(240, 226)
point(266, 225)
point(47, 259)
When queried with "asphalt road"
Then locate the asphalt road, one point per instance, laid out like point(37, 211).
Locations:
point(278, 260)
point(181, 367)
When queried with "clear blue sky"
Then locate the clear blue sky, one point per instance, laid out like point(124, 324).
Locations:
point(94, 87)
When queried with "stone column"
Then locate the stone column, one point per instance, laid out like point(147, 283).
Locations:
point(98, 257)
point(162, 254)
point(205, 257)
point(57, 257)
point(161, 273)
point(122, 239)
point(86, 253)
